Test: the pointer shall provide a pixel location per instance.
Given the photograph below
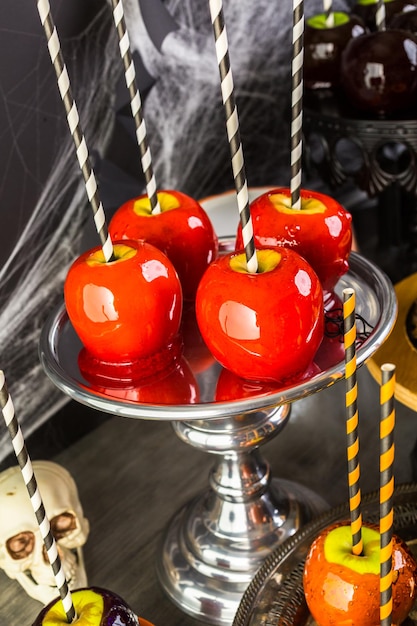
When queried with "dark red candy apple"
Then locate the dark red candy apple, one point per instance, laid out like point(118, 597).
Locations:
point(323, 45)
point(182, 230)
point(342, 588)
point(366, 10)
point(406, 20)
point(321, 231)
point(126, 310)
point(263, 326)
point(94, 606)
point(379, 72)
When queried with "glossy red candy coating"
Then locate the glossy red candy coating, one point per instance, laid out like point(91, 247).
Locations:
point(125, 309)
point(323, 238)
point(266, 326)
point(183, 231)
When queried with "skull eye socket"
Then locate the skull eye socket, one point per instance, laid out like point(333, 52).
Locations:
point(63, 524)
point(21, 545)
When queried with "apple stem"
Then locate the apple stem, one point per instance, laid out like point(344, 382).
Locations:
point(136, 105)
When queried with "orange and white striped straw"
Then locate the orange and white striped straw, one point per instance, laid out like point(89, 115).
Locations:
point(349, 321)
point(386, 492)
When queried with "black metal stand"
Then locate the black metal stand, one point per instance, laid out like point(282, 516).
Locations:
point(380, 156)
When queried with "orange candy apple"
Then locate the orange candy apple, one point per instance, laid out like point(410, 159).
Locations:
point(128, 309)
point(265, 326)
point(182, 230)
point(321, 231)
point(341, 588)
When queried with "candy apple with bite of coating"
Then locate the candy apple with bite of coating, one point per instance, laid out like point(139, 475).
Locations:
point(94, 606)
point(263, 326)
point(342, 588)
point(128, 309)
point(182, 230)
point(321, 231)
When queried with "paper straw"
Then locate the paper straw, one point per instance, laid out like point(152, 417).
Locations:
point(380, 15)
point(73, 120)
point(297, 102)
point(328, 12)
point(19, 446)
point(136, 105)
point(349, 320)
point(233, 133)
point(386, 511)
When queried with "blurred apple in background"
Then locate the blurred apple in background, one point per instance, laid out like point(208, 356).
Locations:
point(126, 310)
point(323, 45)
point(264, 326)
point(182, 230)
point(379, 72)
point(321, 231)
point(366, 10)
point(406, 20)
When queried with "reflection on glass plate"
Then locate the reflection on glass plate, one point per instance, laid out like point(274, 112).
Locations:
point(276, 598)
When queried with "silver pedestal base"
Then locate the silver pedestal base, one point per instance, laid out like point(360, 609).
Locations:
point(205, 570)
point(217, 542)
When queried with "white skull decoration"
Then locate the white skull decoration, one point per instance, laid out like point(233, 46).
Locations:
point(22, 552)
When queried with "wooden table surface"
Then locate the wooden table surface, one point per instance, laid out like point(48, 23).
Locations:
point(134, 475)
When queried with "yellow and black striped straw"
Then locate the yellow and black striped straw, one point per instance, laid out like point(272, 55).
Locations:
point(349, 321)
point(386, 511)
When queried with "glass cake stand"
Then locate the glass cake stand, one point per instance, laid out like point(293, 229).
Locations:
point(215, 544)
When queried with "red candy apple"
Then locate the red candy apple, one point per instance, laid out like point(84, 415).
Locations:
point(182, 230)
point(341, 588)
point(321, 231)
point(265, 326)
point(94, 606)
point(126, 310)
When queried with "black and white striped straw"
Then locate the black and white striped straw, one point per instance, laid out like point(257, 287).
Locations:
point(136, 104)
point(19, 446)
point(73, 120)
point(233, 132)
point(380, 15)
point(328, 12)
point(297, 103)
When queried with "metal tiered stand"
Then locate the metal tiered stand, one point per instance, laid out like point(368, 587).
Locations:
point(215, 544)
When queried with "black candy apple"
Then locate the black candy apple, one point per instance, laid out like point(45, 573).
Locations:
point(406, 20)
point(323, 46)
point(366, 10)
point(379, 72)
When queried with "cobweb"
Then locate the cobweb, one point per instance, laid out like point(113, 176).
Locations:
point(186, 129)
